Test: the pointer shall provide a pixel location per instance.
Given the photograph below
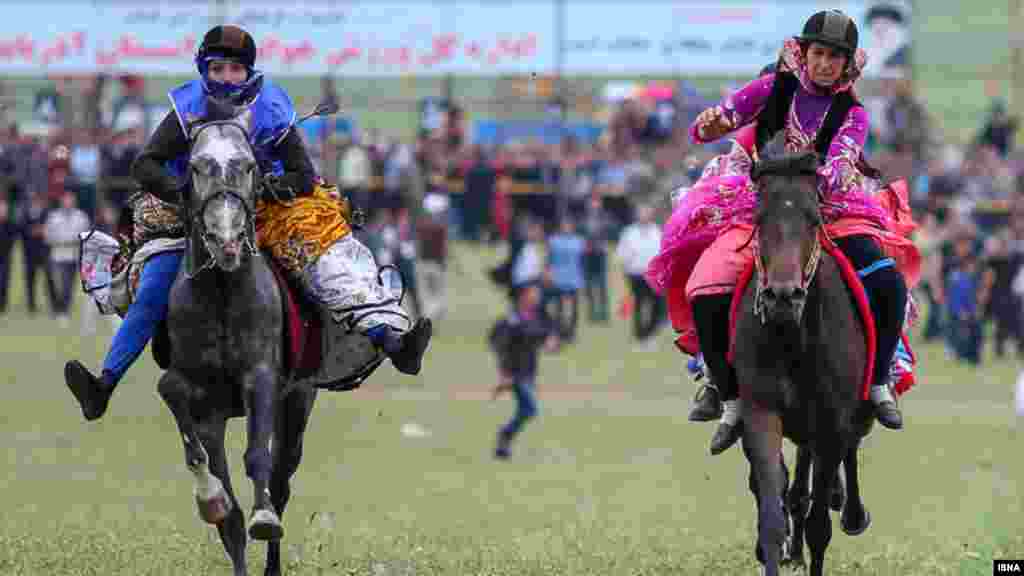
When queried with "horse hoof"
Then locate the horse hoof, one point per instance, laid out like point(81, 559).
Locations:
point(855, 530)
point(214, 510)
point(265, 525)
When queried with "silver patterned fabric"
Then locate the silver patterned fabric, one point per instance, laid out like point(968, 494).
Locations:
point(345, 280)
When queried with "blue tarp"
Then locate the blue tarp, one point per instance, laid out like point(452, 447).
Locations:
point(494, 132)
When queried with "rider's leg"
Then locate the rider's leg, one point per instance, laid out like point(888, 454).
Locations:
point(145, 312)
point(711, 317)
point(344, 279)
point(887, 294)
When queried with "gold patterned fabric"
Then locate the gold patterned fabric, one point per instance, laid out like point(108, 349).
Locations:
point(299, 231)
point(153, 218)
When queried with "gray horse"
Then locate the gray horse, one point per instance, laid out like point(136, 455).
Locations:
point(226, 360)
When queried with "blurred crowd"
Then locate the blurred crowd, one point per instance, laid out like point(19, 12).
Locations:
point(563, 207)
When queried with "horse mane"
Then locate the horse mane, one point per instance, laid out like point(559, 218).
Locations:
point(775, 159)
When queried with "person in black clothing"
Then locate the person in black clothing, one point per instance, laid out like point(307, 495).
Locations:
point(35, 251)
point(8, 233)
point(516, 341)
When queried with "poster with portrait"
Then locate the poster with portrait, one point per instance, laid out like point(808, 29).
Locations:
point(886, 38)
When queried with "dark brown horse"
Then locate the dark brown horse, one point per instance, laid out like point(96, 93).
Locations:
point(800, 357)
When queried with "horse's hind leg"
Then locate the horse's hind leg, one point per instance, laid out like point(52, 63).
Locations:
point(232, 529)
point(203, 457)
point(855, 519)
point(261, 399)
point(798, 501)
point(291, 427)
point(819, 524)
point(762, 442)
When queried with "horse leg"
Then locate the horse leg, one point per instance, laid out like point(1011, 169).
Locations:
point(819, 524)
point(855, 519)
point(215, 504)
point(291, 427)
point(838, 497)
point(260, 392)
point(211, 499)
point(232, 529)
point(762, 440)
point(798, 499)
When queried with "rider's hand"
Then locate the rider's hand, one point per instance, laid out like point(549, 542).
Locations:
point(276, 190)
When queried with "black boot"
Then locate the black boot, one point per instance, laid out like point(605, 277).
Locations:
point(887, 295)
point(707, 404)
point(92, 393)
point(710, 315)
point(725, 436)
point(409, 357)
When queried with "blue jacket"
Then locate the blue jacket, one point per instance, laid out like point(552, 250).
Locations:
point(272, 116)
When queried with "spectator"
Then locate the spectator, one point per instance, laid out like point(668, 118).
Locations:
point(8, 234)
point(999, 130)
point(999, 269)
point(528, 265)
point(478, 199)
point(516, 340)
point(432, 233)
point(565, 262)
point(638, 245)
point(596, 228)
point(963, 291)
point(36, 252)
point(63, 227)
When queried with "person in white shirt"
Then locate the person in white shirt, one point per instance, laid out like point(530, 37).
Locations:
point(638, 245)
point(62, 228)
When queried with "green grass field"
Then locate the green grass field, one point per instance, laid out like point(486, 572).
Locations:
point(611, 479)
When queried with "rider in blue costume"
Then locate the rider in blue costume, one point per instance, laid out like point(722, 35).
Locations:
point(225, 61)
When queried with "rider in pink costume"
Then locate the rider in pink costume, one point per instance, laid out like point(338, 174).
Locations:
point(810, 98)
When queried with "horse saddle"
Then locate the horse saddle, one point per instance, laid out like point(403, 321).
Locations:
point(328, 354)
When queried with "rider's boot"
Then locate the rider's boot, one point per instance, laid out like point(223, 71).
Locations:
point(887, 294)
point(404, 349)
point(711, 317)
point(92, 393)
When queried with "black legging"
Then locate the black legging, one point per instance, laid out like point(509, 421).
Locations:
point(887, 294)
point(710, 316)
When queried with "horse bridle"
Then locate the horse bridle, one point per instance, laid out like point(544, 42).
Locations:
point(249, 238)
point(810, 267)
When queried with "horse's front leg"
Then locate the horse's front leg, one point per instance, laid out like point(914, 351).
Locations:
point(762, 443)
point(211, 499)
point(799, 502)
point(259, 385)
point(819, 524)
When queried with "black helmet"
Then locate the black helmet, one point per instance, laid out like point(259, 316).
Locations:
point(832, 28)
point(231, 42)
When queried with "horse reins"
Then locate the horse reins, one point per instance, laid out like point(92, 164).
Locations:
point(196, 220)
point(810, 269)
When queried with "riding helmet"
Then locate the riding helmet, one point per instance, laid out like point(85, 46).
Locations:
point(832, 28)
point(229, 42)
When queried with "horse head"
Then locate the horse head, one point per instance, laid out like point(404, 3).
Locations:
point(788, 220)
point(224, 173)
